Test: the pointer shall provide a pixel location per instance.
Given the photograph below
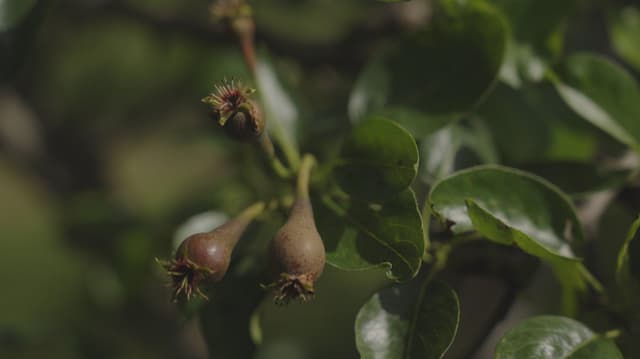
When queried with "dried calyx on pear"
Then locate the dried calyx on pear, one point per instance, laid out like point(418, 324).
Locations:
point(296, 250)
point(203, 258)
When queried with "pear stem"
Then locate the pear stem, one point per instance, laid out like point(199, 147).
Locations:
point(302, 190)
point(252, 211)
point(267, 147)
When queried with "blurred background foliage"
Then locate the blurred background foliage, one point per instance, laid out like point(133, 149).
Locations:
point(105, 150)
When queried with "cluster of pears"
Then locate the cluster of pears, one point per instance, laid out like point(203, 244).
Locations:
point(296, 251)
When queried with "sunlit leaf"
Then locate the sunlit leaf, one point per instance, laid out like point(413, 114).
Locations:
point(512, 207)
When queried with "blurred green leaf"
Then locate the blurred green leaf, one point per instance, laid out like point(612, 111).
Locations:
point(539, 23)
point(521, 65)
point(418, 123)
point(361, 235)
point(624, 28)
point(378, 159)
point(578, 178)
point(225, 318)
point(623, 270)
point(441, 151)
point(13, 11)
point(444, 68)
point(43, 279)
point(533, 124)
point(306, 21)
point(370, 91)
point(603, 93)
point(280, 110)
point(409, 321)
point(554, 337)
point(438, 153)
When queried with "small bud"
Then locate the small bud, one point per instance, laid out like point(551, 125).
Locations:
point(235, 112)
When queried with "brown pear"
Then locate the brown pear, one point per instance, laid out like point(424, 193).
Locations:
point(297, 251)
point(203, 258)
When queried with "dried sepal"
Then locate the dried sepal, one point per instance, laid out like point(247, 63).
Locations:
point(291, 288)
point(186, 277)
point(228, 98)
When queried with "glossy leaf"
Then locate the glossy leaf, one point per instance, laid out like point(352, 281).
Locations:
point(452, 61)
point(12, 12)
point(623, 33)
point(602, 93)
point(623, 270)
point(378, 159)
point(361, 235)
point(519, 200)
point(554, 337)
point(408, 321)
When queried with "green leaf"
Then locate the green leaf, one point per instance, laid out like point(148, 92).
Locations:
point(280, 109)
point(520, 200)
point(542, 245)
point(418, 123)
point(443, 152)
point(13, 11)
point(533, 124)
point(512, 207)
point(370, 91)
point(226, 316)
point(438, 153)
point(623, 269)
point(604, 94)
point(554, 337)
point(361, 235)
point(444, 68)
point(378, 159)
point(539, 23)
point(408, 322)
point(623, 33)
